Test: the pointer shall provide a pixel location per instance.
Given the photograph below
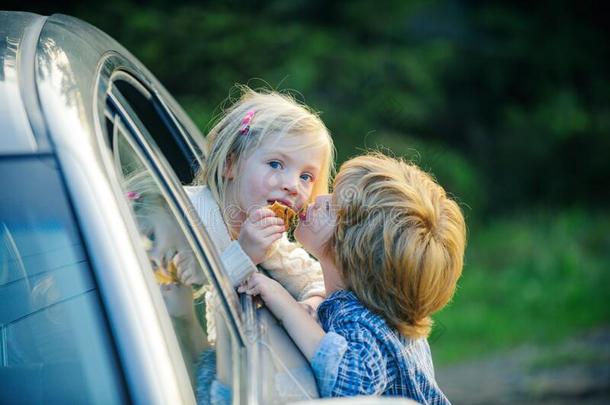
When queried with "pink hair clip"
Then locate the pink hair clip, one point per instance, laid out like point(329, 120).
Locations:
point(132, 195)
point(245, 123)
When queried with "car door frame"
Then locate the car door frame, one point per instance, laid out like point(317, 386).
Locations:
point(240, 313)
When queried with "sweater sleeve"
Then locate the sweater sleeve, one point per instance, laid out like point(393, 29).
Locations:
point(236, 262)
point(292, 267)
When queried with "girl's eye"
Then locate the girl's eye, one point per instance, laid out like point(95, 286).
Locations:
point(307, 177)
point(275, 164)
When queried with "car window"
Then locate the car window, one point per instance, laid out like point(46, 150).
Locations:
point(55, 342)
point(189, 297)
point(146, 134)
point(284, 375)
point(161, 125)
point(285, 372)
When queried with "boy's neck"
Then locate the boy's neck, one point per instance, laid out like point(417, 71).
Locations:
point(332, 276)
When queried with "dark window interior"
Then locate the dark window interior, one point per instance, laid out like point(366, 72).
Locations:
point(167, 137)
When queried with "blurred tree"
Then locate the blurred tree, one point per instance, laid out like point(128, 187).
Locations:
point(517, 94)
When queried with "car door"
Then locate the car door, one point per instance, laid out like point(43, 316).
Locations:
point(164, 219)
point(56, 343)
point(274, 371)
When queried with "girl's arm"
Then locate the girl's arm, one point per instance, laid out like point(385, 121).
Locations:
point(295, 270)
point(302, 327)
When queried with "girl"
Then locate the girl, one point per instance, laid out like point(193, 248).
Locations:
point(266, 148)
point(171, 259)
point(391, 244)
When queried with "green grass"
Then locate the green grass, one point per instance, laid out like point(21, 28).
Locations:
point(533, 278)
point(553, 358)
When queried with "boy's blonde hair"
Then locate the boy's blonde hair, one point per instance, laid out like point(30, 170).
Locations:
point(273, 114)
point(399, 241)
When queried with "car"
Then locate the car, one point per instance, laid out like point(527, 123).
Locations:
point(82, 316)
point(94, 157)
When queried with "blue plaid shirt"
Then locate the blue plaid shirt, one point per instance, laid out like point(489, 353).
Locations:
point(362, 355)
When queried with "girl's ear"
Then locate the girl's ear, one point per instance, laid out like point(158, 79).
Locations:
point(229, 171)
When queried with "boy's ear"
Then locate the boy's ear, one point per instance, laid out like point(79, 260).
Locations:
point(229, 167)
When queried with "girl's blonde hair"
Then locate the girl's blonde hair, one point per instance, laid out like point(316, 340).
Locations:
point(272, 114)
point(399, 241)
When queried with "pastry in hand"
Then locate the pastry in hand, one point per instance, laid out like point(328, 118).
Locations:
point(167, 275)
point(287, 214)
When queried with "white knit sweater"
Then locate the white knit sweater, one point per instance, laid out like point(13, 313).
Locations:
point(287, 263)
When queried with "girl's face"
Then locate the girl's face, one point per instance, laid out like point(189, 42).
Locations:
point(279, 170)
point(164, 238)
point(316, 226)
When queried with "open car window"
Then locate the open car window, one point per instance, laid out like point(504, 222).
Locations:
point(181, 152)
point(188, 295)
point(281, 373)
point(146, 134)
point(191, 297)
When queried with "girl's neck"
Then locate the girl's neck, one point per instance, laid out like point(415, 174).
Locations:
point(233, 214)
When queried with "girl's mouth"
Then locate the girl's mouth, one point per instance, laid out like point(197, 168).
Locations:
point(283, 202)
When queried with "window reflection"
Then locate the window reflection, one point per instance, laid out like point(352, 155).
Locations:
point(54, 341)
point(189, 298)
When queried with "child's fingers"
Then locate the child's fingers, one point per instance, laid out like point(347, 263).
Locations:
point(246, 284)
point(183, 268)
point(269, 221)
point(254, 280)
point(273, 237)
point(272, 230)
point(260, 213)
point(250, 290)
point(187, 279)
point(179, 258)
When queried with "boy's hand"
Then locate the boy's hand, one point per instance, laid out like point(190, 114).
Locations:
point(258, 232)
point(272, 293)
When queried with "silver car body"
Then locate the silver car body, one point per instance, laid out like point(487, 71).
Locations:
point(55, 74)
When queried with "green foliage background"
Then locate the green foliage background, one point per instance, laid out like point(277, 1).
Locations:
point(507, 104)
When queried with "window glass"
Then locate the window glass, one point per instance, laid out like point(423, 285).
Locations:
point(190, 300)
point(157, 121)
point(55, 344)
point(285, 373)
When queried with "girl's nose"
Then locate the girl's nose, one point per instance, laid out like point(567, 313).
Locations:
point(291, 184)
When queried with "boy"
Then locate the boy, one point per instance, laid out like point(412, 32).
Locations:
point(391, 246)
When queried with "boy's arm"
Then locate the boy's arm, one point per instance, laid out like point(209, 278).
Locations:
point(351, 351)
point(349, 362)
point(302, 327)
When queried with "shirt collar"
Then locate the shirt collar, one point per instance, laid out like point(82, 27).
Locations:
point(333, 303)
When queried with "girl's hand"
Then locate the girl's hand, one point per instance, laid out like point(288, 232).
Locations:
point(188, 271)
point(301, 327)
point(272, 293)
point(258, 232)
point(178, 300)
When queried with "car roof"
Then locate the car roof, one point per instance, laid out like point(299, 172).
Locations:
point(49, 68)
point(18, 36)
